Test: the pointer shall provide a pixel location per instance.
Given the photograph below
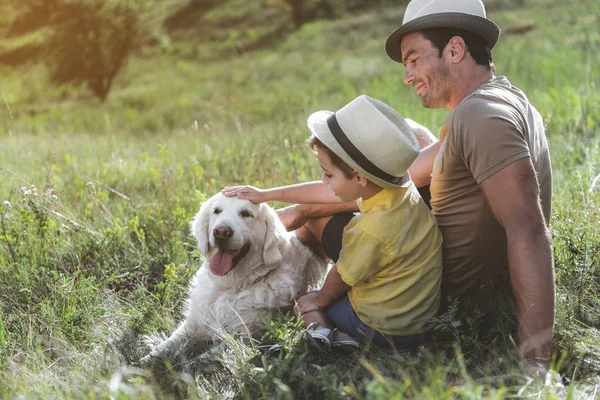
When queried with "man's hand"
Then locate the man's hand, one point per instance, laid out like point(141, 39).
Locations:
point(542, 375)
point(251, 193)
point(293, 217)
point(307, 303)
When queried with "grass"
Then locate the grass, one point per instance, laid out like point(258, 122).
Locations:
point(99, 254)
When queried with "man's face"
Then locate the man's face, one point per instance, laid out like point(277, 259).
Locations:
point(426, 70)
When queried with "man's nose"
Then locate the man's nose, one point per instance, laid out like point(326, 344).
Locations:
point(222, 233)
point(408, 76)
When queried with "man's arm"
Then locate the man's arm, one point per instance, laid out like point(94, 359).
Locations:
point(424, 135)
point(294, 216)
point(513, 196)
point(420, 169)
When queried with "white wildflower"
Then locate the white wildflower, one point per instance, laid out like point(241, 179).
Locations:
point(92, 187)
point(7, 204)
point(50, 193)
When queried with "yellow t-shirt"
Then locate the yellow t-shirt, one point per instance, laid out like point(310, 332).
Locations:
point(392, 258)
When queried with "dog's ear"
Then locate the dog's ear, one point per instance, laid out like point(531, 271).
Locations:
point(276, 237)
point(199, 226)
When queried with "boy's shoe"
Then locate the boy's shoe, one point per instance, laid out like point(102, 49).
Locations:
point(342, 339)
point(323, 335)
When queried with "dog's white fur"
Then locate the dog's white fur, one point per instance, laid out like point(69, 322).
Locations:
point(275, 271)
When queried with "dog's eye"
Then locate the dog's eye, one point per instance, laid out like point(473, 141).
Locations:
point(217, 211)
point(246, 214)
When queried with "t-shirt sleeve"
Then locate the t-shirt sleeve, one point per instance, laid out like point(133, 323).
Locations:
point(488, 136)
point(362, 256)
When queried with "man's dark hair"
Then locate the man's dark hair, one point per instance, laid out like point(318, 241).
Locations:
point(476, 46)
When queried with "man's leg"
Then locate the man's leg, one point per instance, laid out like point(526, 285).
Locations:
point(310, 234)
point(324, 235)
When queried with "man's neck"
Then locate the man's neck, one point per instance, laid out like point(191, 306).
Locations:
point(467, 82)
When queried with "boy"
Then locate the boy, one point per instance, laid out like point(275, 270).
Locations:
point(386, 283)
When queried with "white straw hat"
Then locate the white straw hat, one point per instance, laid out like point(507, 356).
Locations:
point(371, 137)
point(468, 15)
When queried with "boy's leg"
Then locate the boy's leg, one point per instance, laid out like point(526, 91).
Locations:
point(317, 320)
point(345, 319)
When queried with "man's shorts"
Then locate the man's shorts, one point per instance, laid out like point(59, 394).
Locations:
point(333, 232)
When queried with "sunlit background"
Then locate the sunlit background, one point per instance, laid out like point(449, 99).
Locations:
point(118, 117)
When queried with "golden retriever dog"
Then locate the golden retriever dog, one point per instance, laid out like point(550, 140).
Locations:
point(252, 267)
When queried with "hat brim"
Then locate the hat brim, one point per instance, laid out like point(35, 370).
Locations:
point(483, 27)
point(317, 123)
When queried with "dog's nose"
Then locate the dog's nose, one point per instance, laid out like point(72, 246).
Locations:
point(222, 233)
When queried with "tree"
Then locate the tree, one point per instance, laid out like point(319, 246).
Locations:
point(304, 10)
point(90, 40)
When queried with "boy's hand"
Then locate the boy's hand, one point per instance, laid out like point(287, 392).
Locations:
point(251, 193)
point(307, 303)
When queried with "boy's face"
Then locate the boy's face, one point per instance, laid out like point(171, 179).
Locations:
point(344, 188)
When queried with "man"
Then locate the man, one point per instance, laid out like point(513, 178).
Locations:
point(489, 172)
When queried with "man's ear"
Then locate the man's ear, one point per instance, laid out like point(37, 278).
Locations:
point(457, 49)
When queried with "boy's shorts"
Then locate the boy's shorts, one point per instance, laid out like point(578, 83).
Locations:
point(345, 319)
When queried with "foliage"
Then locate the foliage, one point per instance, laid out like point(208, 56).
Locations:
point(90, 40)
point(97, 253)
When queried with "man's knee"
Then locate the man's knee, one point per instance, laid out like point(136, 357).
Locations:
point(317, 225)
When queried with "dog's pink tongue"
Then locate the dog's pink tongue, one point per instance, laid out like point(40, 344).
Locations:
point(222, 262)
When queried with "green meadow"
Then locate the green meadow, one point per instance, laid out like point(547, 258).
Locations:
point(96, 198)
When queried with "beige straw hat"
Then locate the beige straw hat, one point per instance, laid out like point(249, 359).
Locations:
point(468, 15)
point(371, 137)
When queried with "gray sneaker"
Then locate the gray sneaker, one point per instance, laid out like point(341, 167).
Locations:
point(341, 339)
point(322, 335)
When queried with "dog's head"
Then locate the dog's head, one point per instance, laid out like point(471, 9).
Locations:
point(232, 232)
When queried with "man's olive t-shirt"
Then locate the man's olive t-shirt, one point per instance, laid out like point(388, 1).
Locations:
point(490, 129)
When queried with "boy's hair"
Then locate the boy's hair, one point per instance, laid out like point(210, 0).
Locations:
point(314, 143)
point(476, 46)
